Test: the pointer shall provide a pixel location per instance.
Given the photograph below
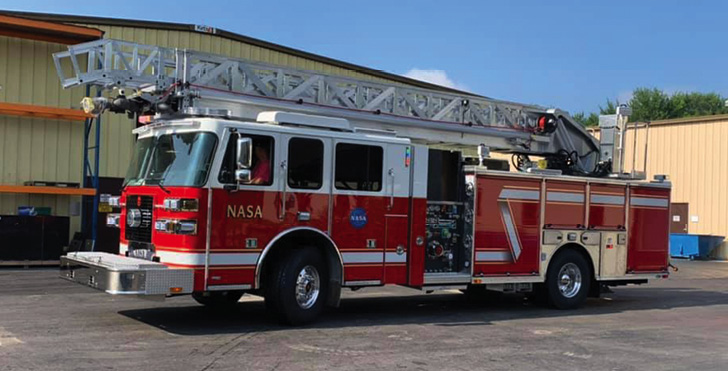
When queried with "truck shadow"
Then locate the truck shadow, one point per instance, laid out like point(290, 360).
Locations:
point(447, 309)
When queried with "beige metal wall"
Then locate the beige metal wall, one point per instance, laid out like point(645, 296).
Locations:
point(52, 150)
point(694, 154)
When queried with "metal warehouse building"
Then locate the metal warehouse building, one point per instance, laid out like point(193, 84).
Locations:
point(42, 129)
point(693, 153)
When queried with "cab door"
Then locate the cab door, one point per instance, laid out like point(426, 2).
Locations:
point(306, 173)
point(246, 217)
point(360, 205)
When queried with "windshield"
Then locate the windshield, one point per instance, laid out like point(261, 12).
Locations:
point(182, 159)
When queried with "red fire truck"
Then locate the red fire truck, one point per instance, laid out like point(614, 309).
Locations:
point(292, 185)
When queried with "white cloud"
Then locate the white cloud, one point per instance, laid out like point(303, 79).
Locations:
point(437, 77)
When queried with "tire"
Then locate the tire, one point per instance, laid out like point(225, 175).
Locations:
point(297, 287)
point(568, 280)
point(218, 299)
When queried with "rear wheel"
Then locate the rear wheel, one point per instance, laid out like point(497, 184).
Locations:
point(218, 299)
point(297, 287)
point(568, 280)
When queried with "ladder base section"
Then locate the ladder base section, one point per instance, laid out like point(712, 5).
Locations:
point(118, 275)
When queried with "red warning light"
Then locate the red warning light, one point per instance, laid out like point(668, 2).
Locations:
point(143, 120)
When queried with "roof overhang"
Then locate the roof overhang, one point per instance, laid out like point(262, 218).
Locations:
point(91, 20)
point(47, 31)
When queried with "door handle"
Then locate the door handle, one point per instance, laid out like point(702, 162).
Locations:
point(285, 188)
point(391, 195)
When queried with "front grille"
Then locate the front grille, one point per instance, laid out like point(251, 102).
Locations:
point(142, 233)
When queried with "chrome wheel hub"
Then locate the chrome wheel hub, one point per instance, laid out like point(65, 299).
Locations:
point(308, 286)
point(569, 280)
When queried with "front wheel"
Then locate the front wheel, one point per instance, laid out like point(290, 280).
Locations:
point(298, 286)
point(568, 280)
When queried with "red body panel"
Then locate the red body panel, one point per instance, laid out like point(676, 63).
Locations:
point(507, 224)
point(605, 210)
point(171, 242)
point(416, 255)
point(649, 229)
point(565, 206)
point(396, 235)
point(354, 240)
point(507, 227)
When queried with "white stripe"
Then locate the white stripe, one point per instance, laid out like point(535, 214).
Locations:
point(215, 258)
point(565, 197)
point(643, 201)
point(517, 194)
point(393, 257)
point(362, 257)
point(510, 229)
point(490, 256)
point(609, 200)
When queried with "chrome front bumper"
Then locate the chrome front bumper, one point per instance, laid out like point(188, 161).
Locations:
point(119, 275)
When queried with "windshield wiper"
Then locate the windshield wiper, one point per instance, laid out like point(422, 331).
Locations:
point(161, 186)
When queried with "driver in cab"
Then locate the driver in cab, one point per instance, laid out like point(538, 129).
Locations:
point(261, 170)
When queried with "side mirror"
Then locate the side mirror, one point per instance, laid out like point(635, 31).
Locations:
point(244, 154)
point(242, 176)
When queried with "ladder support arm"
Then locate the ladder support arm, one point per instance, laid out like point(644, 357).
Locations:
point(190, 81)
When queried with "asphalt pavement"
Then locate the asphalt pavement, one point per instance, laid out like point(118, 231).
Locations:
point(675, 324)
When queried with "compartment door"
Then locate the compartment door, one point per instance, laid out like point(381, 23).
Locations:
point(649, 229)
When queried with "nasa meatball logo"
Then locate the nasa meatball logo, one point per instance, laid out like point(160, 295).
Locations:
point(358, 218)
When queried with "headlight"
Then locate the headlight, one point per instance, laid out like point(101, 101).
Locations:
point(112, 220)
point(115, 201)
point(181, 204)
point(176, 226)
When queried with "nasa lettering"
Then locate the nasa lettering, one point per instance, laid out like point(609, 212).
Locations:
point(244, 212)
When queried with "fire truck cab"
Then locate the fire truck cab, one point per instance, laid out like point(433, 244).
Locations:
point(295, 207)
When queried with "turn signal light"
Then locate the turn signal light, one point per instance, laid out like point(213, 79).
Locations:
point(115, 201)
point(113, 220)
point(181, 204)
point(175, 290)
point(174, 226)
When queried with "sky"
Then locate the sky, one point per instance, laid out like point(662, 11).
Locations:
point(568, 54)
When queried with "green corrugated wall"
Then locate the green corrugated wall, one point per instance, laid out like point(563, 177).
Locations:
point(52, 150)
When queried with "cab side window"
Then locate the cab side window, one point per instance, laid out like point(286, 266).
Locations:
point(305, 163)
point(263, 157)
point(359, 167)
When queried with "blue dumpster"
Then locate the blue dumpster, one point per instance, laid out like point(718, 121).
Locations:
point(693, 246)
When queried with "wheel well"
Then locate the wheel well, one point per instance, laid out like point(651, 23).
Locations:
point(579, 249)
point(299, 238)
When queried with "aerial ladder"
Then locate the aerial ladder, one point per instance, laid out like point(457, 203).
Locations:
point(176, 83)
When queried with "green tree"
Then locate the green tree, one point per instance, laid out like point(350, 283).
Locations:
point(649, 105)
point(696, 104)
point(592, 119)
point(586, 120)
point(609, 108)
